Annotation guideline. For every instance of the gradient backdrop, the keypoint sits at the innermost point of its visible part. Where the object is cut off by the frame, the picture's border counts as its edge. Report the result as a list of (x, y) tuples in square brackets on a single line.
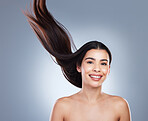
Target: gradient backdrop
[(30, 82)]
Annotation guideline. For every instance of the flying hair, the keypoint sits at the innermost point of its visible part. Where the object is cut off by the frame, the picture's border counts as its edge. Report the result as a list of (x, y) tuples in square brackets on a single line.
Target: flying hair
[(57, 40)]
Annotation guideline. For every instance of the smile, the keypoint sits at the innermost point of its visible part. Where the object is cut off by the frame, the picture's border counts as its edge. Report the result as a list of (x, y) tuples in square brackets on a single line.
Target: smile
[(96, 77)]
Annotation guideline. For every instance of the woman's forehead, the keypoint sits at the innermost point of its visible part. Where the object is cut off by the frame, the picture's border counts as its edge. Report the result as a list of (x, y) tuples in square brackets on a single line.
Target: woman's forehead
[(97, 54)]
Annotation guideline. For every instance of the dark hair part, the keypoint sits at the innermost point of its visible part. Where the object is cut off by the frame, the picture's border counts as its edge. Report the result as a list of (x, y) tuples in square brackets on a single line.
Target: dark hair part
[(58, 42)]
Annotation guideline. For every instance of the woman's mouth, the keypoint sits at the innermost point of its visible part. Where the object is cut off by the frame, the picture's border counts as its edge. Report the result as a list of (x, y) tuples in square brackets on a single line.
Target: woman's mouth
[(95, 77)]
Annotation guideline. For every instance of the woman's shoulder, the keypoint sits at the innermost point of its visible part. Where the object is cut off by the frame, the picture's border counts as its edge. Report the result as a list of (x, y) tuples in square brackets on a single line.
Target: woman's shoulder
[(65, 101), (120, 107), (118, 102), (116, 99), (61, 106)]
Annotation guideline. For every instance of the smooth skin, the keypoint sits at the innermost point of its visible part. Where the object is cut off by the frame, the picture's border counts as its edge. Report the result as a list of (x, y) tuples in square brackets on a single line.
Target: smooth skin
[(90, 103)]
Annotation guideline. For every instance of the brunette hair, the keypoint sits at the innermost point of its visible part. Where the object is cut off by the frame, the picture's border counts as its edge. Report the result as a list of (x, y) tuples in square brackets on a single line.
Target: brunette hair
[(58, 42)]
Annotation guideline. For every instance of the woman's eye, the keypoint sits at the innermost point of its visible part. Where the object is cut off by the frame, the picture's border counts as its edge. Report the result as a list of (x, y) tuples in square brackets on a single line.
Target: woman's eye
[(89, 62), (103, 64)]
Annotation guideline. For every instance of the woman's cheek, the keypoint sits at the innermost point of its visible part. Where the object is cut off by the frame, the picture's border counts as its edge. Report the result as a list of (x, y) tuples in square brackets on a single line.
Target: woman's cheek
[(86, 67), (89, 68), (105, 71)]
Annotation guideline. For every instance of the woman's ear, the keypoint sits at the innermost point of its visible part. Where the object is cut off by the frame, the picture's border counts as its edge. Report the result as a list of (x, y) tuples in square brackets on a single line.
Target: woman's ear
[(109, 70), (78, 68)]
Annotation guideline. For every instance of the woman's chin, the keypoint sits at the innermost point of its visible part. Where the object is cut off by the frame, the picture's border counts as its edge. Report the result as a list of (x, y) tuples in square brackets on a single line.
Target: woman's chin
[(95, 85)]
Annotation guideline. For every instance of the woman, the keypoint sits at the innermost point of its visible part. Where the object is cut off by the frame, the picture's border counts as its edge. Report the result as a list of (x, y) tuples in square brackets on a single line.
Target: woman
[(86, 68)]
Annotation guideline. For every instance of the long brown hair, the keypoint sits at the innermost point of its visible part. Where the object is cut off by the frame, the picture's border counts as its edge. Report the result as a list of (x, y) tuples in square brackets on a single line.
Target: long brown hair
[(58, 42)]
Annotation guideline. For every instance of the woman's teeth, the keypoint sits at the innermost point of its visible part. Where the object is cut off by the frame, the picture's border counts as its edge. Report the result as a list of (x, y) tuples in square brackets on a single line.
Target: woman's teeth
[(95, 76)]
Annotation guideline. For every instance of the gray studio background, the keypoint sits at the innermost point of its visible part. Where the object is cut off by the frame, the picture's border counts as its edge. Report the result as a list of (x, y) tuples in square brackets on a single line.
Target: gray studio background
[(30, 82)]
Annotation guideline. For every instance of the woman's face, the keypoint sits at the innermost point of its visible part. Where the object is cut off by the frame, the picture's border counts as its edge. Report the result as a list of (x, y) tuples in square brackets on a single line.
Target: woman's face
[(95, 67)]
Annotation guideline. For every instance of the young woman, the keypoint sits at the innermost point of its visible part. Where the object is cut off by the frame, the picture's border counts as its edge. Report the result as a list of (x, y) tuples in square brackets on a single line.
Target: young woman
[(86, 68)]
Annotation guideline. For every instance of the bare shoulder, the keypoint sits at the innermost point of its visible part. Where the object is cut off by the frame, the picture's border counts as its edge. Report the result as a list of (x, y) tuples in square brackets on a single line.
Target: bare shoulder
[(118, 102), (60, 109), (63, 102), (122, 107)]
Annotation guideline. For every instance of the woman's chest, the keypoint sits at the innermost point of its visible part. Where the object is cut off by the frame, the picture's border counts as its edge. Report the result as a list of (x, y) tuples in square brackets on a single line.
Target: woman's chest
[(100, 112)]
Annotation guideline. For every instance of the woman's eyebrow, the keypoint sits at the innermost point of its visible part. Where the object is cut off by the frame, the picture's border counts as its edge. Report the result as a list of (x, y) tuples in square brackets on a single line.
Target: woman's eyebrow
[(95, 59), (104, 60), (90, 58)]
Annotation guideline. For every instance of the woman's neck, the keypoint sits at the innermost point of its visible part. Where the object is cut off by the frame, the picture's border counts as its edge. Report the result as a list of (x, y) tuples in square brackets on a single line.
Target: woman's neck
[(91, 95)]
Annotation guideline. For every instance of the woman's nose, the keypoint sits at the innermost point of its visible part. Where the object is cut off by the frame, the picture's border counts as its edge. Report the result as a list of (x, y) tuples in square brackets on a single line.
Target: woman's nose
[(97, 68)]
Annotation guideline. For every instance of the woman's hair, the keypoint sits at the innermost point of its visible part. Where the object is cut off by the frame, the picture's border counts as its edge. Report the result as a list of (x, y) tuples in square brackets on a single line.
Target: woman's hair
[(58, 42)]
